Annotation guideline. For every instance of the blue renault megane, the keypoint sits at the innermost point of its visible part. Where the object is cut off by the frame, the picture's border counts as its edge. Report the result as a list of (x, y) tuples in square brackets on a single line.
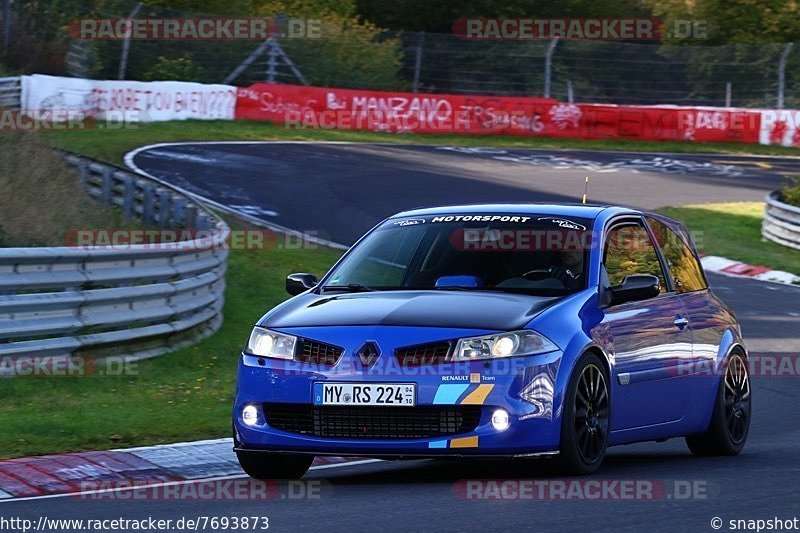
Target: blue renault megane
[(496, 331)]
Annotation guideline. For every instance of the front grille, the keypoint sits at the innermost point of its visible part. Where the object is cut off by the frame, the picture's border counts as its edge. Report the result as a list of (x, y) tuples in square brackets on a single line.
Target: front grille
[(318, 353), (423, 354), (346, 422)]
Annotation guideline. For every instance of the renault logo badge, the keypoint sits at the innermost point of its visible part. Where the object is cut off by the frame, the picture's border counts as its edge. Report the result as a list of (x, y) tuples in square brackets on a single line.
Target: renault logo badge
[(368, 353)]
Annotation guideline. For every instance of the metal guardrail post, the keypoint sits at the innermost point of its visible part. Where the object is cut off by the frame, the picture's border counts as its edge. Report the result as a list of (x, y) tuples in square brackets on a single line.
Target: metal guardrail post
[(83, 171), (147, 203), (418, 61), (272, 62), (190, 217), (164, 206), (178, 207), (128, 197), (108, 185), (782, 73), (548, 66), (126, 43)]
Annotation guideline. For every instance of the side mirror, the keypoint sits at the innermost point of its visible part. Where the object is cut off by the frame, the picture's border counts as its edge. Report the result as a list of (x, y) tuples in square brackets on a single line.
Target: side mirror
[(300, 283), (634, 288)]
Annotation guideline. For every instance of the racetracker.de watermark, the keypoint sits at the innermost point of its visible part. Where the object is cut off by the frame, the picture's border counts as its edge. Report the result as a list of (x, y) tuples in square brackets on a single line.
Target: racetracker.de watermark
[(67, 120), (65, 366), (598, 29), (405, 367), (239, 489), (189, 239), (194, 29), (404, 114), (758, 365), (584, 489), (559, 239)]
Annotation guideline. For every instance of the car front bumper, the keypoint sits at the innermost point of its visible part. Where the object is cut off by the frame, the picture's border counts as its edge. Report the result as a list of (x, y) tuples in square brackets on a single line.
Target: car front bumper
[(525, 387)]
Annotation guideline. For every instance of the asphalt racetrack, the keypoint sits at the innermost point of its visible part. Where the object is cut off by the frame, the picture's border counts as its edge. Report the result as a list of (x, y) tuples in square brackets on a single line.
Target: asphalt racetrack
[(339, 191)]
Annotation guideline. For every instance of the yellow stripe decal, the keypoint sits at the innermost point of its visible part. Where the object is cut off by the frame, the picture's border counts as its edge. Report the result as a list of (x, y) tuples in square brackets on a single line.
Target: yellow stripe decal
[(465, 442), (478, 396)]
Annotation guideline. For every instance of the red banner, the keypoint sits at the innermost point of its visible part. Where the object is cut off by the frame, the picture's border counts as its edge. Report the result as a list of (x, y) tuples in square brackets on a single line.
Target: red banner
[(303, 107), (780, 126), (316, 107), (669, 123)]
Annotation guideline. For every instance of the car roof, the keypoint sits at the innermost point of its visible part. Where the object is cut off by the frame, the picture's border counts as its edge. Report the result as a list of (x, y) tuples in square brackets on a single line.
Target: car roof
[(589, 211)]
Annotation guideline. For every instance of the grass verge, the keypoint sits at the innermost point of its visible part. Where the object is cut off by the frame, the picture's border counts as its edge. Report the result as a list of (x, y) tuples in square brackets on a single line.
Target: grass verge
[(33, 184), (733, 230), (111, 145)]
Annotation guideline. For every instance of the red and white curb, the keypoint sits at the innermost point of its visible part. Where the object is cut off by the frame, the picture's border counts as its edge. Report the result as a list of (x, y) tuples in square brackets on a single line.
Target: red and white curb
[(70, 473), (728, 267)]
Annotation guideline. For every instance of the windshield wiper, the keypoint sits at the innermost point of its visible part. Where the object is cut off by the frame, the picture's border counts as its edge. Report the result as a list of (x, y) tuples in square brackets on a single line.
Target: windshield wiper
[(350, 287)]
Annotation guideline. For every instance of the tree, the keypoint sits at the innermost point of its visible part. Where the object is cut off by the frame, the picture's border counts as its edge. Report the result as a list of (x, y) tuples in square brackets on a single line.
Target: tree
[(438, 16)]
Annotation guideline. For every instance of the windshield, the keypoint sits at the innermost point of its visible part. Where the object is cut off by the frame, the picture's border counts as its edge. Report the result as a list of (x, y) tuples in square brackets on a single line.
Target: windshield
[(536, 254)]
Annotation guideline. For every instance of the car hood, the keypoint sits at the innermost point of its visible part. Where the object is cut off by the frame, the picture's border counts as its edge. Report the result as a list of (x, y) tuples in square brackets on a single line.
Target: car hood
[(445, 309)]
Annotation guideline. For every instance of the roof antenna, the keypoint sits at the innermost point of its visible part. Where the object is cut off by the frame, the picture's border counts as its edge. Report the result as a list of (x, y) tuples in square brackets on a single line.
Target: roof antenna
[(585, 189)]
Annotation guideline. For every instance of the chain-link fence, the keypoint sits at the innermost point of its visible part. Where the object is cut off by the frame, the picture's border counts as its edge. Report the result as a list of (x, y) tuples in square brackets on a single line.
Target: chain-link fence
[(354, 56)]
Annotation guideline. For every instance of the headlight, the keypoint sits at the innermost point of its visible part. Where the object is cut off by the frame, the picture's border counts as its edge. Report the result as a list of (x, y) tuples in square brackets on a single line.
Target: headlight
[(268, 343), (502, 345)]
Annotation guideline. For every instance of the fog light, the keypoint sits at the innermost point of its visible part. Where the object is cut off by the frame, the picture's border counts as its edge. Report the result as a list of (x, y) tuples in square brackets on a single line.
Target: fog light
[(250, 415), (500, 420)]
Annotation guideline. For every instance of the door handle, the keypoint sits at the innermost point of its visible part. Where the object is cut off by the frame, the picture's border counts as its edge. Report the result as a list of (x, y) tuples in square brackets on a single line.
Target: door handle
[(681, 322)]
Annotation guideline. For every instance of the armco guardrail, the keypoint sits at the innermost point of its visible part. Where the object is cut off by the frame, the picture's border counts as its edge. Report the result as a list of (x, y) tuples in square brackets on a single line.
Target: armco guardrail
[(10, 93), (781, 222), (137, 301)]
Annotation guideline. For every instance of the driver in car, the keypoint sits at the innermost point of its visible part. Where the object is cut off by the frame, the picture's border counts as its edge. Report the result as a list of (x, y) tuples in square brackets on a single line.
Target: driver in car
[(564, 267), (570, 271)]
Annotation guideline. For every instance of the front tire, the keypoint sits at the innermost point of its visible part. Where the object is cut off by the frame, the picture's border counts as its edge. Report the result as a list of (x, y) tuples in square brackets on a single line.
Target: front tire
[(585, 420), (259, 465), (730, 420)]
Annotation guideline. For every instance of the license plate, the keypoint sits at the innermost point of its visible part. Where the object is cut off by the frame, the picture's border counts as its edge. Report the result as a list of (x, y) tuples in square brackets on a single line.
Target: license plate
[(382, 394)]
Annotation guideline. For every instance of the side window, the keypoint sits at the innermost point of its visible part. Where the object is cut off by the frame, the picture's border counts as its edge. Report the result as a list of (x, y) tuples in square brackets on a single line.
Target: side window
[(629, 250), (683, 265)]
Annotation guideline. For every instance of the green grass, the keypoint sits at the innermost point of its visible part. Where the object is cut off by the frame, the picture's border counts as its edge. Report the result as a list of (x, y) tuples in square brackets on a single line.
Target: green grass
[(185, 395), (111, 145), (733, 230), (790, 193), (33, 184)]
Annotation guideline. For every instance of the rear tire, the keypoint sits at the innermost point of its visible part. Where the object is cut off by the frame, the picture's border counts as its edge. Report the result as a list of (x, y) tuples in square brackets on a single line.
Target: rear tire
[(730, 420), (586, 418), (260, 465)]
